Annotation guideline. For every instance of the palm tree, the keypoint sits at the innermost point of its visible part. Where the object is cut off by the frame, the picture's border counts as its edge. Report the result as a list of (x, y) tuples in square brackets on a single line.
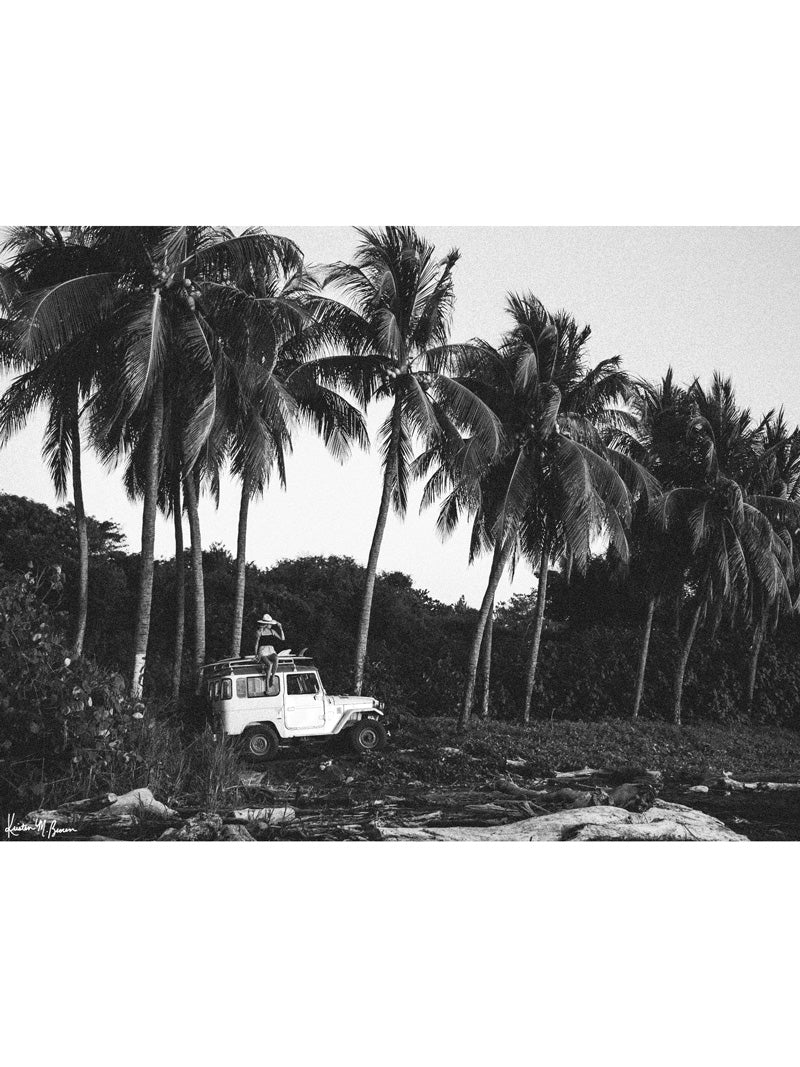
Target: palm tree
[(164, 297), (178, 485), (486, 663), (60, 378), (397, 340), (557, 480), (191, 495), (263, 398), (180, 587), (662, 411), (731, 538), (769, 472)]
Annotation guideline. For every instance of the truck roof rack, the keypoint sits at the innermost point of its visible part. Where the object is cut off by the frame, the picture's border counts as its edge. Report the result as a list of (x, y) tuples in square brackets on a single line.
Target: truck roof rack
[(249, 664)]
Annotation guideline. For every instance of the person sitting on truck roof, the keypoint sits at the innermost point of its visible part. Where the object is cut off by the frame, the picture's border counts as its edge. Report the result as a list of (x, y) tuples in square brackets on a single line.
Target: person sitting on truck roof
[(269, 637)]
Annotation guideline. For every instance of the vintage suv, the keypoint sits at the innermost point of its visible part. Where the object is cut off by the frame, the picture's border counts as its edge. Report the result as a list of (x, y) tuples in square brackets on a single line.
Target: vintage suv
[(295, 706)]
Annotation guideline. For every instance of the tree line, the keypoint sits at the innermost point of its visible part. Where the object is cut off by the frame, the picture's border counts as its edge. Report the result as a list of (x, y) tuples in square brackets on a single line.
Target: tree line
[(184, 352)]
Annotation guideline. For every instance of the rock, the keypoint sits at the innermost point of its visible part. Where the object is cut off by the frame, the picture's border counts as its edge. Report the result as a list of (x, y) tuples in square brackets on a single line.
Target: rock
[(580, 798), (252, 778), (203, 827), (633, 796), (333, 773), (698, 789), (234, 832)]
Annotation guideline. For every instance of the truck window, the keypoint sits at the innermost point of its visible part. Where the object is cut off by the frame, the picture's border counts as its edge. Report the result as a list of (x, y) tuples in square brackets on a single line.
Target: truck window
[(227, 689), (301, 684), (257, 686), (241, 687)]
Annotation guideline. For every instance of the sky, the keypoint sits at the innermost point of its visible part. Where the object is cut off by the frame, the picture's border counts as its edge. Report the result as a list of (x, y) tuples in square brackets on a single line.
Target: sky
[(699, 299)]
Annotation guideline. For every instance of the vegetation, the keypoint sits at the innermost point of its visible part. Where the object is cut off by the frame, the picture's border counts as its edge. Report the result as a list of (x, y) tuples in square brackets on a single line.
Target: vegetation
[(662, 519)]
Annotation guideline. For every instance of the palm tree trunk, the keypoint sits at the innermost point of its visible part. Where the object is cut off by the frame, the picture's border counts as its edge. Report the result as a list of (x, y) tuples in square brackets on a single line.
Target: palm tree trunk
[(199, 635), (180, 590), (389, 478), (501, 553), (752, 668), (541, 599), (241, 568), (683, 658), (486, 663), (648, 626), (145, 593), (83, 538)]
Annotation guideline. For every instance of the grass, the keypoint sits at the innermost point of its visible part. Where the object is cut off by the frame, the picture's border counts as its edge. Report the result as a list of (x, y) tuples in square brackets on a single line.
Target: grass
[(196, 772), (681, 753), (183, 771)]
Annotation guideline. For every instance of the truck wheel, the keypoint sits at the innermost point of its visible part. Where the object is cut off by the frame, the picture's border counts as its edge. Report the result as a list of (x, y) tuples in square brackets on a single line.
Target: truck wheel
[(260, 744), (367, 736)]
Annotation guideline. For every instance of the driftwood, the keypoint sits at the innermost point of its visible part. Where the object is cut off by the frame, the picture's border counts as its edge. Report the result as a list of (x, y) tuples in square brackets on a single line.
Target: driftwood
[(271, 816), (122, 811), (726, 782), (505, 785), (587, 772), (97, 816), (661, 822)]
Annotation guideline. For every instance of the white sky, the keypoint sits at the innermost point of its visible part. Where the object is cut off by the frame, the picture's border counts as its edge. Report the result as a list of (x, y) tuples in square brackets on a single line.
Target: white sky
[(699, 298)]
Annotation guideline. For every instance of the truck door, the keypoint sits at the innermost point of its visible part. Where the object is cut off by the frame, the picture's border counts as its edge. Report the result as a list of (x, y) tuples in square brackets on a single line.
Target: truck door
[(305, 702)]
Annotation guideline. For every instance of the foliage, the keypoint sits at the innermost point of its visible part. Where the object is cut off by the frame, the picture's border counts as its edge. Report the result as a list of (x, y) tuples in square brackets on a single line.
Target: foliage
[(59, 717), (418, 648)]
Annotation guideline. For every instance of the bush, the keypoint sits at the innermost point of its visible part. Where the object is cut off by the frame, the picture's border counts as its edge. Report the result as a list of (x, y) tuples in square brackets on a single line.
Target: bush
[(60, 719), (417, 646)]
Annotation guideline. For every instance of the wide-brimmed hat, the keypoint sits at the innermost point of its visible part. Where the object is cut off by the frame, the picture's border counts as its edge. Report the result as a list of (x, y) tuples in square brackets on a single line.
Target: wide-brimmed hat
[(265, 620)]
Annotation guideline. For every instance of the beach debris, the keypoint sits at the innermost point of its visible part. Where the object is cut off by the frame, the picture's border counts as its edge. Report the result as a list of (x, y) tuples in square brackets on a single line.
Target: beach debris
[(269, 816), (662, 822)]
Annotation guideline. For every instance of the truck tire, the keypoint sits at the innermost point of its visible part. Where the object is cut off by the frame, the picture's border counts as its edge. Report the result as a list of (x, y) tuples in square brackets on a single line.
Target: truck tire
[(367, 736), (260, 744)]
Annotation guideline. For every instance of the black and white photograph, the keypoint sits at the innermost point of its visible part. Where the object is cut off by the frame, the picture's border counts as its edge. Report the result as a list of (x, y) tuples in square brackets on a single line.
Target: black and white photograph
[(349, 534), (400, 532)]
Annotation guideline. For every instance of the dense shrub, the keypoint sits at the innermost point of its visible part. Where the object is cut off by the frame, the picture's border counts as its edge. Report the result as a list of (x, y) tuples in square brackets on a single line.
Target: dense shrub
[(417, 645), (59, 718)]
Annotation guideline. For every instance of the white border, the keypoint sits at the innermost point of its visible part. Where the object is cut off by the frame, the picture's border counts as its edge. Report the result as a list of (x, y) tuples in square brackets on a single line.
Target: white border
[(442, 112)]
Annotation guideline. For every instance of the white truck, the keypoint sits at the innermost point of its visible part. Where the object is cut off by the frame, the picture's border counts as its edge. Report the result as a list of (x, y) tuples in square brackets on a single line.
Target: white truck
[(294, 706)]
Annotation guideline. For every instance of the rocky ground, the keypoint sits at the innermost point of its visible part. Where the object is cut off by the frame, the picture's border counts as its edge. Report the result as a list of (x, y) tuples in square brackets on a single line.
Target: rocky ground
[(494, 781)]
